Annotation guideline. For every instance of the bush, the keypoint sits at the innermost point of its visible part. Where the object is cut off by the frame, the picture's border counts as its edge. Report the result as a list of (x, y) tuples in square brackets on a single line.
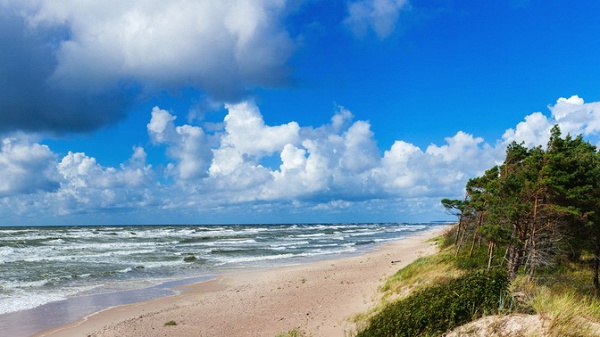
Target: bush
[(435, 310), (477, 260), (296, 332)]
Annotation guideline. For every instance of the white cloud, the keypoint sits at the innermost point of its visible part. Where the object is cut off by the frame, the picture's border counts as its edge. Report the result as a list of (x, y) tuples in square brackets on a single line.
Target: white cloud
[(220, 47), (26, 167), (87, 186), (252, 167), (533, 131), (245, 130), (360, 150), (161, 128), (186, 143), (408, 171), (577, 117), (379, 15), (89, 62), (572, 115)]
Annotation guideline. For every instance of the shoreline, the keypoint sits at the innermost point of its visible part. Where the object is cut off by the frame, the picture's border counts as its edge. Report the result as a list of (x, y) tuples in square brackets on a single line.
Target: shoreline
[(317, 297), (55, 314)]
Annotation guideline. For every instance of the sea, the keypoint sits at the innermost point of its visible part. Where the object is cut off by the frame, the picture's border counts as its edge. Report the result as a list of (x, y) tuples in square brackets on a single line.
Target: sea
[(54, 275)]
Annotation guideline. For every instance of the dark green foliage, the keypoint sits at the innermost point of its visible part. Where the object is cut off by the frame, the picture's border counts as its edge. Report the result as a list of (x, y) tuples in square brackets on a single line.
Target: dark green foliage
[(539, 208), (454, 207), (437, 309), (473, 261), (448, 238)]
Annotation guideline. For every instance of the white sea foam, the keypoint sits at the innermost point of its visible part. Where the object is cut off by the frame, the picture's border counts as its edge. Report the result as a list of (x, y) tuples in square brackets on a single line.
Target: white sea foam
[(40, 265)]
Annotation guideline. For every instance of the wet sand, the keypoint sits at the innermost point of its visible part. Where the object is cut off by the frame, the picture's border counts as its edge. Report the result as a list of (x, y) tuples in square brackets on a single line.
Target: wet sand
[(319, 298)]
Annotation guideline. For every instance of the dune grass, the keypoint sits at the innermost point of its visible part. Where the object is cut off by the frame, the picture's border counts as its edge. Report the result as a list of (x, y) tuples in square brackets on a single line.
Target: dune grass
[(564, 299), (440, 307), (296, 332), (421, 273), (560, 296)]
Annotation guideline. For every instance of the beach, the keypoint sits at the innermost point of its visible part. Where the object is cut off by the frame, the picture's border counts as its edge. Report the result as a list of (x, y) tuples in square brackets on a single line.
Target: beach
[(320, 298)]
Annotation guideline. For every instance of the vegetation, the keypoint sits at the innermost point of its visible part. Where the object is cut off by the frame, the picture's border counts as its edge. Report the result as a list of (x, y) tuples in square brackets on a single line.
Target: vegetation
[(296, 332), (527, 241), (539, 209), (441, 307), (418, 298), (171, 323)]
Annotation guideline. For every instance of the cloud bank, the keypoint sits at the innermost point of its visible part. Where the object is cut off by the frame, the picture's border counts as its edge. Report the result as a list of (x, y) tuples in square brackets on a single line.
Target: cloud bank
[(78, 65), (251, 167), (88, 61)]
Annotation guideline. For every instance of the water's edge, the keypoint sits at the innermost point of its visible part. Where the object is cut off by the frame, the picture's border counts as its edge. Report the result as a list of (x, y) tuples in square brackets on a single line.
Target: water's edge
[(54, 314), (28, 322)]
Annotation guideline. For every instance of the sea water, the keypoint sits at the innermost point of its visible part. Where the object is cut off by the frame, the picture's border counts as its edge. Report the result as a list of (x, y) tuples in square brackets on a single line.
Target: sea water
[(41, 265)]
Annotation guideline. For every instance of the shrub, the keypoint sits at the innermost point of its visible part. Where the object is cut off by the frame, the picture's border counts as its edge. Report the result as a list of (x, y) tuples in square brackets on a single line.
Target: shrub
[(439, 308), (296, 332), (478, 259)]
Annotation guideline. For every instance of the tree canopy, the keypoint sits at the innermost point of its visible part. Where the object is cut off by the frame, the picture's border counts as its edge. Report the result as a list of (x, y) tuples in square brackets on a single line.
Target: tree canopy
[(542, 206)]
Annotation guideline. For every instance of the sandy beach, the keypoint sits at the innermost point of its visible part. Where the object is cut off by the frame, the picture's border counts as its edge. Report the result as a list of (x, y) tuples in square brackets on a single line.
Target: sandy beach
[(319, 298)]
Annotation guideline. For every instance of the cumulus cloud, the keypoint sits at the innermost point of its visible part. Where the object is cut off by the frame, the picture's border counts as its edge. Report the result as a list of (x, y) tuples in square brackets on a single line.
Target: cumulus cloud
[(217, 46), (337, 161), (78, 65), (28, 102), (26, 167), (251, 167), (187, 144), (572, 115), (88, 61), (88, 186), (380, 16), (409, 171)]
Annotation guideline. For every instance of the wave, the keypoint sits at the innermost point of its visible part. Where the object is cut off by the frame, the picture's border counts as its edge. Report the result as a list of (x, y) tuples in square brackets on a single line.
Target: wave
[(56, 262)]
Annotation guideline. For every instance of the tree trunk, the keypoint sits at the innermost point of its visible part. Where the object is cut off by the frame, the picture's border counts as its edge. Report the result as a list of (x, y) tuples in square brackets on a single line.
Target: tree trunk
[(479, 223), (534, 253), (457, 235), (490, 254), (515, 251), (596, 268), (516, 255), (460, 242), (505, 257), (516, 263), (473, 244)]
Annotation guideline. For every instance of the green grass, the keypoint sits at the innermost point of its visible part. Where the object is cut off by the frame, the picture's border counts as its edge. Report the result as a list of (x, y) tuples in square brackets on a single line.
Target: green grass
[(296, 332), (560, 294), (440, 307), (421, 273), (564, 299), (569, 313)]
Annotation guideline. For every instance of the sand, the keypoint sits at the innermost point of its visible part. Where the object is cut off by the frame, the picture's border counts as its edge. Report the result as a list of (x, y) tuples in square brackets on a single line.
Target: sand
[(319, 298)]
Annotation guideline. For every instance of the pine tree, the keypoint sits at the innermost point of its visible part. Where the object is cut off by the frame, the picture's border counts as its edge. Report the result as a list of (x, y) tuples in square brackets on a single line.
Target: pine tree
[(544, 205)]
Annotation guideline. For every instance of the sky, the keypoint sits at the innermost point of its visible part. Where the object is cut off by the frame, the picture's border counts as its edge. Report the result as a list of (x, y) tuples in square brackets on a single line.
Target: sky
[(278, 111)]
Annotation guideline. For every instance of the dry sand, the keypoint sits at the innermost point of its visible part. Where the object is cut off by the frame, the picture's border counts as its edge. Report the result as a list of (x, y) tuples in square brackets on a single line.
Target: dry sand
[(319, 298)]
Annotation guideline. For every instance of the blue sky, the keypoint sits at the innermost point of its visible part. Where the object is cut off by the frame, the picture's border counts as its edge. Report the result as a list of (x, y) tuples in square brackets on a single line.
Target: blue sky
[(278, 111)]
